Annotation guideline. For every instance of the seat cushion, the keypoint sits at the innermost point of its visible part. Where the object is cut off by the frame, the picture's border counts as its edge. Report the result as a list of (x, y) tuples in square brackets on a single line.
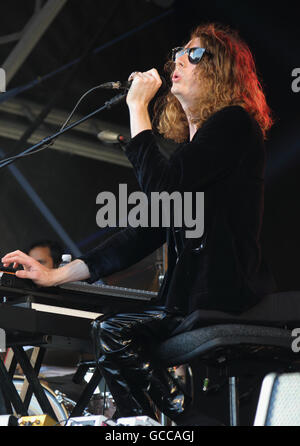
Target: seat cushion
[(274, 310), (186, 346)]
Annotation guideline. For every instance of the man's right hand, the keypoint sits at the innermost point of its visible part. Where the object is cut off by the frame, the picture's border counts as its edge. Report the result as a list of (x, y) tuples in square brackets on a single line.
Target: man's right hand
[(33, 270), (43, 276)]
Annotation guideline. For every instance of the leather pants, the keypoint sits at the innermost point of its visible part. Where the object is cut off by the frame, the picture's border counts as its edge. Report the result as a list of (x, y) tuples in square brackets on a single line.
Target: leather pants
[(124, 346)]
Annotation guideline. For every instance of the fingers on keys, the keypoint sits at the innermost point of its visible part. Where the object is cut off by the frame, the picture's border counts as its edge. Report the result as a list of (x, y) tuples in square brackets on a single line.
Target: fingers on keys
[(17, 258)]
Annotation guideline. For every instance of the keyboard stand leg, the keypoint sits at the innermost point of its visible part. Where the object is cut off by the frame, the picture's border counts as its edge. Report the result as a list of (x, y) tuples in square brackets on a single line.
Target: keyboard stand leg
[(36, 360), (34, 383), (10, 392), (5, 405), (86, 394), (5, 408), (10, 362), (12, 367)]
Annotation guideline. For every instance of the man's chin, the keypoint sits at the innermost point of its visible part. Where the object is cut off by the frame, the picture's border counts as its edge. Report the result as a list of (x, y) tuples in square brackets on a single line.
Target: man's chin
[(175, 90)]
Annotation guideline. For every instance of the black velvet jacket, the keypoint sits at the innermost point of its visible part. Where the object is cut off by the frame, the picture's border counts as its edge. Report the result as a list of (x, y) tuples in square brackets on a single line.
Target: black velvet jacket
[(223, 269)]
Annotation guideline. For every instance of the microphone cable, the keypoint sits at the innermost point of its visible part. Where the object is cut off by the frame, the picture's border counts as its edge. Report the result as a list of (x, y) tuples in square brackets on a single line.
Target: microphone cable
[(4, 162), (9, 160)]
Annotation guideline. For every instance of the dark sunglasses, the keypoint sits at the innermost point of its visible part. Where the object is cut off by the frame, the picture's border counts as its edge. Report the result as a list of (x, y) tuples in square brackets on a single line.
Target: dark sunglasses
[(194, 54)]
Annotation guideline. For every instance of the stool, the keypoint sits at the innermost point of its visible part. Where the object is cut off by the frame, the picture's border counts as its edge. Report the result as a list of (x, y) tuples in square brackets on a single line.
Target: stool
[(258, 340), (226, 347)]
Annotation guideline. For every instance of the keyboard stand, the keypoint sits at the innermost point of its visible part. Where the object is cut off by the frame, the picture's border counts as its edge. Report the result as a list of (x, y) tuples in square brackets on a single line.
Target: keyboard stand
[(36, 360), (11, 395), (9, 392), (86, 394)]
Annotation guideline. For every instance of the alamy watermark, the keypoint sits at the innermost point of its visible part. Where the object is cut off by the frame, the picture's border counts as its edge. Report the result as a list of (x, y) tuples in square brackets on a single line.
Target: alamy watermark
[(161, 209), (296, 341), (296, 81), (2, 340), (2, 80)]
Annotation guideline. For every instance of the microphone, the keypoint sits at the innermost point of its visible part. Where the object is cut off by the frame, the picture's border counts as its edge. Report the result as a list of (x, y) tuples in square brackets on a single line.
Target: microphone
[(124, 85)]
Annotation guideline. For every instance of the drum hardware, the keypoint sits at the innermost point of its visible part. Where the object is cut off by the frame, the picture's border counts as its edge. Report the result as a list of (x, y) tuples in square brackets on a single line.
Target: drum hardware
[(67, 402), (102, 404)]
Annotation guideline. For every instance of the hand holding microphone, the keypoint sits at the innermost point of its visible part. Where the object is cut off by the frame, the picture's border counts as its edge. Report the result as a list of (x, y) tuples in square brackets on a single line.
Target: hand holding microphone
[(125, 85), (143, 88)]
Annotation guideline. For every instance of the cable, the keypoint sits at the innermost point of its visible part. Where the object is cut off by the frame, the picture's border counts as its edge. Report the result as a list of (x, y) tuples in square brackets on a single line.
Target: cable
[(77, 104), (4, 162)]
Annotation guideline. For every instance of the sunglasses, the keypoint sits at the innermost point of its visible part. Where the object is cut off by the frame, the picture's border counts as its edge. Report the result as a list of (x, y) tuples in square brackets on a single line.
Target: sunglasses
[(194, 54)]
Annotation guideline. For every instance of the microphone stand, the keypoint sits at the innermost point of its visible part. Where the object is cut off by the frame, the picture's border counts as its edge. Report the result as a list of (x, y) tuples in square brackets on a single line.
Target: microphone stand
[(50, 139)]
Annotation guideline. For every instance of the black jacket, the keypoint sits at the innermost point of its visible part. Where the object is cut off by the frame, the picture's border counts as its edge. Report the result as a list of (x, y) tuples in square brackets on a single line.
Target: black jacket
[(223, 269)]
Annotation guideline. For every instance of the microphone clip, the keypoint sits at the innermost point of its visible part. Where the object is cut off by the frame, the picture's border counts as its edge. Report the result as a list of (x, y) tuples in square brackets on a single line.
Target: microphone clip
[(118, 85), (115, 100)]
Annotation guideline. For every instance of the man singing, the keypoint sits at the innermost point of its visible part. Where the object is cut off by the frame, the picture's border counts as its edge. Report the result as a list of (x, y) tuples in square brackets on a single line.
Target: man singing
[(217, 111)]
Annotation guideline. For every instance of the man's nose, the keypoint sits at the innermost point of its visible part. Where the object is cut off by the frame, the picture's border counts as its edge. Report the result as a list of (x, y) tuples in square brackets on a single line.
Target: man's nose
[(181, 60)]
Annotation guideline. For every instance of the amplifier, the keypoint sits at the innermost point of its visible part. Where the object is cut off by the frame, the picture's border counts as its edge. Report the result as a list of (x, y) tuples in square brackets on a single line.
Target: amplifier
[(279, 400)]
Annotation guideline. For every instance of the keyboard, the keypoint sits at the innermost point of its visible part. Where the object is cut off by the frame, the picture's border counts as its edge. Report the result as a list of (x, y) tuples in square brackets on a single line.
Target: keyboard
[(76, 295)]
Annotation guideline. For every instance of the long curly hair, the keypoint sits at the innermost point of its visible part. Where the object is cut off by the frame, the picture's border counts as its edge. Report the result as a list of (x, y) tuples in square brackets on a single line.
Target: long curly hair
[(228, 76)]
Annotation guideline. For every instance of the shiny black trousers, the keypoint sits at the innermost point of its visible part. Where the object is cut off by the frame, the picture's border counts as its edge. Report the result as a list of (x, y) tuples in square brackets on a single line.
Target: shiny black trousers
[(125, 350)]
